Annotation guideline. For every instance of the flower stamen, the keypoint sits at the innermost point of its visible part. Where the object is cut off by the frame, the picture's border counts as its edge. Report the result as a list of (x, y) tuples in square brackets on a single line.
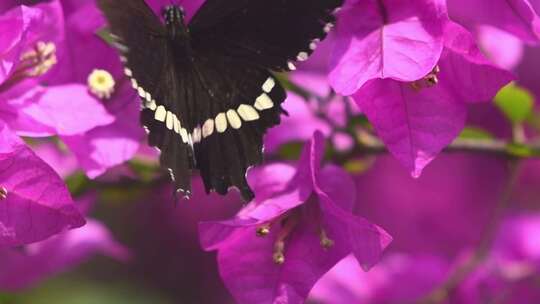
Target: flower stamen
[(33, 63), (101, 83), (288, 226), (3, 193), (279, 253), (326, 242), (430, 80), (263, 231)]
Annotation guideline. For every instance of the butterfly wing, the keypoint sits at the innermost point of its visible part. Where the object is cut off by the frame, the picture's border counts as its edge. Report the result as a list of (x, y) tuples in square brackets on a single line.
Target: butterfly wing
[(150, 63), (234, 104), (269, 33)]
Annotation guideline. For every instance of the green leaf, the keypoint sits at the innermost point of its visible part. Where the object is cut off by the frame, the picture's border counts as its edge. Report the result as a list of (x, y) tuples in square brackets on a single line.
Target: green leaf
[(475, 133), (515, 102)]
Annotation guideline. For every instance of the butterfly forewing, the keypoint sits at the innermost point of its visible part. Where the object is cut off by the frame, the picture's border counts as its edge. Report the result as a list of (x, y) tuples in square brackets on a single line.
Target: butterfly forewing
[(268, 33)]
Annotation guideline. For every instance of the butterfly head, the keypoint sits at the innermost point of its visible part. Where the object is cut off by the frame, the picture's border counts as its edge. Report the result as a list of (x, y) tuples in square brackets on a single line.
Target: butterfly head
[(173, 14)]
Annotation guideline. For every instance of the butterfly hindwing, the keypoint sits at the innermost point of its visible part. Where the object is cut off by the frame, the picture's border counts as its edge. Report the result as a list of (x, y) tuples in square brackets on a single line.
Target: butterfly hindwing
[(234, 111)]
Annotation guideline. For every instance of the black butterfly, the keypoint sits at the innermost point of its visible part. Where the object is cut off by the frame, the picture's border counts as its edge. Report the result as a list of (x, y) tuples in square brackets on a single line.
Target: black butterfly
[(208, 95)]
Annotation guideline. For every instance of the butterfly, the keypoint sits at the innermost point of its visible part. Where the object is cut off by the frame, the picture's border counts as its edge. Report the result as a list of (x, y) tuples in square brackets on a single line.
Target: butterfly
[(207, 90)]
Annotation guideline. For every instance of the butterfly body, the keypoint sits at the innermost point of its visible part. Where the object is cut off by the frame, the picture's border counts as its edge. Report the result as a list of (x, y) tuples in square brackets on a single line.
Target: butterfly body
[(207, 91)]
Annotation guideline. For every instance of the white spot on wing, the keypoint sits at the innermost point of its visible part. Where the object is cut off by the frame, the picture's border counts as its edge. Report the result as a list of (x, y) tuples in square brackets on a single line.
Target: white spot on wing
[(208, 128), (302, 56), (134, 84), (197, 134), (170, 120), (247, 112), (269, 85), (291, 66), (128, 72), (263, 102), (161, 113), (234, 119), (328, 27), (150, 105), (184, 134), (313, 44), (221, 123), (141, 92), (177, 126)]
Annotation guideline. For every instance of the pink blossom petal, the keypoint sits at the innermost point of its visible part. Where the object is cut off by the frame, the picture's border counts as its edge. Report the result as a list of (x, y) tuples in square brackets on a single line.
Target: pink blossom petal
[(395, 39), (19, 97), (83, 21), (266, 181), (414, 125), (314, 82), (63, 162), (503, 48), (68, 110), (60, 253), (519, 239), (111, 145), (465, 70), (337, 194), (298, 126), (38, 203), (9, 142), (398, 278), (247, 268), (514, 16)]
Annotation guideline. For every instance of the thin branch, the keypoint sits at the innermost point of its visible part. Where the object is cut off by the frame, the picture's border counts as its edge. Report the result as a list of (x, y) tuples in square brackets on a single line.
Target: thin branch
[(368, 144)]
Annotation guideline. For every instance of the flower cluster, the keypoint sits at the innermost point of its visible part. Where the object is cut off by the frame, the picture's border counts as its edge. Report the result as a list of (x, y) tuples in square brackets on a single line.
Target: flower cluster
[(413, 78)]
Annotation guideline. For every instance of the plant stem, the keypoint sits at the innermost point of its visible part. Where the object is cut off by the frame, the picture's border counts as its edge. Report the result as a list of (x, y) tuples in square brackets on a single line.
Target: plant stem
[(368, 144)]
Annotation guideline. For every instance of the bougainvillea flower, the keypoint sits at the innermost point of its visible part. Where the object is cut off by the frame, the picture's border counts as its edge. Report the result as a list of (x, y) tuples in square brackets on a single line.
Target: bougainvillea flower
[(394, 39), (99, 87), (517, 17), (34, 201), (298, 227), (417, 120), (398, 278), (80, 101), (26, 266)]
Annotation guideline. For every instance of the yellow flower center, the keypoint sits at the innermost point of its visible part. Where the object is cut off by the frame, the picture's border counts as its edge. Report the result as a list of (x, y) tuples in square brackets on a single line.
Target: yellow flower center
[(101, 83)]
